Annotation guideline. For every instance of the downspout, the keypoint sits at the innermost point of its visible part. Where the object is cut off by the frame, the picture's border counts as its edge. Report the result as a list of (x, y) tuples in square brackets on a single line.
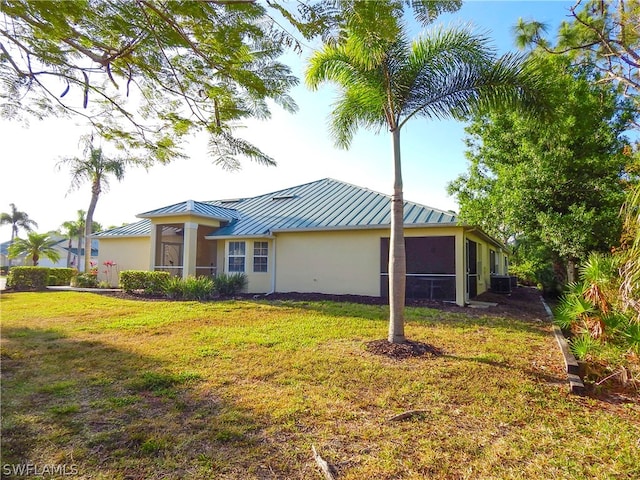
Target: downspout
[(273, 269)]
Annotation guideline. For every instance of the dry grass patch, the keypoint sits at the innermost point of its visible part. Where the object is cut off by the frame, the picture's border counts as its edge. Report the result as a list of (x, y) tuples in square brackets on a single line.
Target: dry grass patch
[(241, 390)]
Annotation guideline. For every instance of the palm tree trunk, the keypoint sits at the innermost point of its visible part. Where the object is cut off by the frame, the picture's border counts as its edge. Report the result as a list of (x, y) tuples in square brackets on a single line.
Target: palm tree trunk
[(69, 245), (79, 253), (397, 255), (14, 232), (88, 226)]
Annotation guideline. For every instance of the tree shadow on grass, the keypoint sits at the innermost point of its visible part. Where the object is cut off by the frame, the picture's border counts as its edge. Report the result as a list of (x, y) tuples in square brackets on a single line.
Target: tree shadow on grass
[(112, 413)]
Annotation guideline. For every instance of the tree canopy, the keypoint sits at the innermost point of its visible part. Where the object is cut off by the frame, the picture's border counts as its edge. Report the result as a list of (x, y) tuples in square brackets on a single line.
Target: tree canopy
[(601, 34), (145, 74), (561, 182), (36, 245)]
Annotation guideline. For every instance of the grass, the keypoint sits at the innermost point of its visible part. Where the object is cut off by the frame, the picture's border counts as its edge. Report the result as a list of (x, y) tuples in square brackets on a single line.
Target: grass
[(241, 390)]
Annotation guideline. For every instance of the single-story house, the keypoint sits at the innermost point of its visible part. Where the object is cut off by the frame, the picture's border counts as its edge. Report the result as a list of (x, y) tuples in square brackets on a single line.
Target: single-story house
[(325, 236), (61, 246)]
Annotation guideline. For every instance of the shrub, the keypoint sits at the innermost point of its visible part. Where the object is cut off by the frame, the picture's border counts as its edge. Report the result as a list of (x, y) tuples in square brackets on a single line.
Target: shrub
[(583, 345), (151, 283), (197, 288), (174, 288), (4, 270), (61, 276), (85, 280), (28, 278), (227, 285)]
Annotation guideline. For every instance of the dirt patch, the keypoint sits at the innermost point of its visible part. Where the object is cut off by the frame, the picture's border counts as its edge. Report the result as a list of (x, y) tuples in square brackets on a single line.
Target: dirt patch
[(399, 351)]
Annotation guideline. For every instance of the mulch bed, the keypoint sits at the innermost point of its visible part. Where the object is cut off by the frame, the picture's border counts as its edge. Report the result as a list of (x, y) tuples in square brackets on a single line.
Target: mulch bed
[(399, 351), (522, 303)]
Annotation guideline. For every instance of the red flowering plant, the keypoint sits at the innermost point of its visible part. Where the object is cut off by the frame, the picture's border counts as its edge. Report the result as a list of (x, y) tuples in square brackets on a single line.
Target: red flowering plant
[(110, 270)]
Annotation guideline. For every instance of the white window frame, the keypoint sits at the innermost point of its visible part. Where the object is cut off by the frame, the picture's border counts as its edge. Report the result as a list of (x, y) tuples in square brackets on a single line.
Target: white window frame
[(264, 247), (232, 254)]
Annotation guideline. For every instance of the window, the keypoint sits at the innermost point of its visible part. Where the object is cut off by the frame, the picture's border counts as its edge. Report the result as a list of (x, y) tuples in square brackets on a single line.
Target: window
[(236, 257), (260, 256)]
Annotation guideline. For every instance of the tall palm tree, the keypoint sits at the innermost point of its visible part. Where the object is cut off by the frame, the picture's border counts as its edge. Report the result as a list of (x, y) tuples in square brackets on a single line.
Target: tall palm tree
[(386, 81), (95, 169), (74, 229), (36, 245), (17, 220)]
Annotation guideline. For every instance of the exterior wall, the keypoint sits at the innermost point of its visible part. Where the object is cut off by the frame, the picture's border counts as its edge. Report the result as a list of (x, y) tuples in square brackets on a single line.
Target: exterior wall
[(337, 262), (128, 254), (484, 263), (257, 282)]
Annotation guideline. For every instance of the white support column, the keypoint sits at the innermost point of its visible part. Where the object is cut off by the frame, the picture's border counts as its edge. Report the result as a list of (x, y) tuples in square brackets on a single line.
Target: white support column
[(190, 249), (153, 238)]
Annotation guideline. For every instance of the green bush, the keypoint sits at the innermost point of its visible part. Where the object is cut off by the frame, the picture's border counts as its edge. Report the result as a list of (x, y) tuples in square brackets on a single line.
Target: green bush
[(197, 288), (191, 288), (28, 278), (228, 285), (151, 283), (174, 288), (61, 276), (85, 280)]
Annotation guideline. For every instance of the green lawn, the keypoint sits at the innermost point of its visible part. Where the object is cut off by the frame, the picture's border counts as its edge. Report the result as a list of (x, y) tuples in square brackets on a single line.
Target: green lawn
[(242, 390)]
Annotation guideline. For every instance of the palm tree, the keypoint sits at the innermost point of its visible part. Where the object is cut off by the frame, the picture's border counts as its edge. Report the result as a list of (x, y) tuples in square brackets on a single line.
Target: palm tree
[(35, 246), (385, 82), (95, 169), (17, 220), (74, 229)]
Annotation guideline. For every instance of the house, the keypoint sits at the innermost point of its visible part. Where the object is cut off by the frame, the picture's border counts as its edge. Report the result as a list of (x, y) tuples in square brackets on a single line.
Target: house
[(325, 236), (61, 246)]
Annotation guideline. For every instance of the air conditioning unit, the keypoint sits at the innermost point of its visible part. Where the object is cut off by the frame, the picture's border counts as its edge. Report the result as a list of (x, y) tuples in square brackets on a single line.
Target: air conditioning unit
[(501, 284)]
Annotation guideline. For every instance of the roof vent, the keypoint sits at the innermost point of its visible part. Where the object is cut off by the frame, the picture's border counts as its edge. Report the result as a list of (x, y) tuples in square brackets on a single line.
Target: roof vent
[(232, 200), (282, 197)]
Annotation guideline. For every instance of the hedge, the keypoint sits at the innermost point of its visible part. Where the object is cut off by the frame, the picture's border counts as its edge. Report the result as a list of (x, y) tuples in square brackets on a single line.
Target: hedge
[(61, 276), (28, 278), (152, 283)]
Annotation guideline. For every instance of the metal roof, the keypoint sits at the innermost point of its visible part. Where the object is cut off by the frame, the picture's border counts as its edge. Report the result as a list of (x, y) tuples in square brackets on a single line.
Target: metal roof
[(191, 207), (325, 204), (137, 229)]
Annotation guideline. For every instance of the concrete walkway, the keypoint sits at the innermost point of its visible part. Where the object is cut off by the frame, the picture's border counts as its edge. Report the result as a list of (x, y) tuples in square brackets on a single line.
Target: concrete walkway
[(78, 289)]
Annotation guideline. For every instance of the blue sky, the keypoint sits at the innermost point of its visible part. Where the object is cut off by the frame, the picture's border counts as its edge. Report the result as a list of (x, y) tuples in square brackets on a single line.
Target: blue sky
[(432, 151)]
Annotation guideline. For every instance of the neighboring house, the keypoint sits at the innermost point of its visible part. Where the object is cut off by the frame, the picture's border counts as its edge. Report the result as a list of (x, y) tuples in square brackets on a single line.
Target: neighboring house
[(323, 237), (62, 248)]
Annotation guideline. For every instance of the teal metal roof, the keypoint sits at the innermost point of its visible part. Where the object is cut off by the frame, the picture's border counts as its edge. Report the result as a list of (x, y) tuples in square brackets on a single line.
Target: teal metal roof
[(191, 207), (325, 204), (137, 229)]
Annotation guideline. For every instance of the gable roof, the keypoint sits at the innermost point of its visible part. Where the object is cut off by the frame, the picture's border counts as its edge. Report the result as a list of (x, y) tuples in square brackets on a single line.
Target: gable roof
[(325, 204)]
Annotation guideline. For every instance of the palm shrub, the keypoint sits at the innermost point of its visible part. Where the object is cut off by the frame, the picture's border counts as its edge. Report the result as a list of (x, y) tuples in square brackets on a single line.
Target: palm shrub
[(197, 288), (227, 285), (173, 288), (574, 311), (583, 346)]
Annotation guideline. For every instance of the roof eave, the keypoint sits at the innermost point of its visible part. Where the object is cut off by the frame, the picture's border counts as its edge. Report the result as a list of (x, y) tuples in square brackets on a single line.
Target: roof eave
[(190, 214)]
